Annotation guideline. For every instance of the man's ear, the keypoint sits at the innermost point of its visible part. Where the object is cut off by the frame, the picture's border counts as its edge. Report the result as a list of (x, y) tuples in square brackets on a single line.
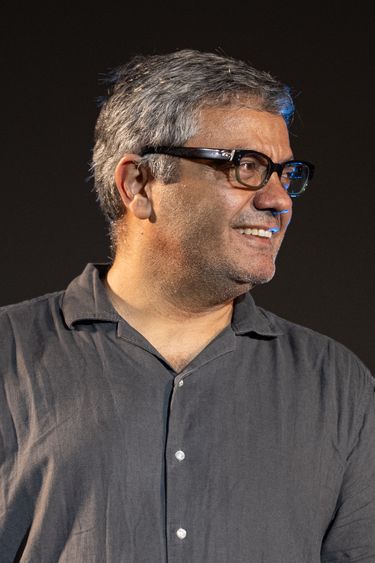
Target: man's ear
[(131, 180)]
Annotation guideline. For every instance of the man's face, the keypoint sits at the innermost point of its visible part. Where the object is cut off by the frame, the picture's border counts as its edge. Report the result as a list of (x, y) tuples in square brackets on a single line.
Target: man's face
[(196, 238)]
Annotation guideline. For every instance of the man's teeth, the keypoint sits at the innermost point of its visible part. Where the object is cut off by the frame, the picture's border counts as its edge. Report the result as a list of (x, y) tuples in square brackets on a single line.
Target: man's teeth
[(256, 232)]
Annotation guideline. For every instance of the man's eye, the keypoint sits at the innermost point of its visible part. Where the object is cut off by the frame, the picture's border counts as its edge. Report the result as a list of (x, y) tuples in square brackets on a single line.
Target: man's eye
[(250, 168), (249, 165)]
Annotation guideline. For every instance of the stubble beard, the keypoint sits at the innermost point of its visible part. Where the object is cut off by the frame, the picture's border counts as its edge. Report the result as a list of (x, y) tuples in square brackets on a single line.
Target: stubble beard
[(192, 270), (192, 280)]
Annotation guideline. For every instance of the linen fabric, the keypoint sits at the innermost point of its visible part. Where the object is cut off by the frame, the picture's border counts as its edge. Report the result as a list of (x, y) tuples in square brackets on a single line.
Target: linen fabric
[(262, 450)]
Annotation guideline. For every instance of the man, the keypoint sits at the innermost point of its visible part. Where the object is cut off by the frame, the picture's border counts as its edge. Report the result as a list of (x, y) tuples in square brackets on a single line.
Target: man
[(151, 412)]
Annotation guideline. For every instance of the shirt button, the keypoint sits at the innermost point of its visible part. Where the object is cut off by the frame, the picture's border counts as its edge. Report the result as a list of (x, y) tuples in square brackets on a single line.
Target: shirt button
[(180, 455), (181, 533), (180, 383)]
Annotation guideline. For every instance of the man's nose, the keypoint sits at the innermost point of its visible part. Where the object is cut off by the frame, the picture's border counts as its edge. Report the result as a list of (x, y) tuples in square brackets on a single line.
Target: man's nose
[(273, 196)]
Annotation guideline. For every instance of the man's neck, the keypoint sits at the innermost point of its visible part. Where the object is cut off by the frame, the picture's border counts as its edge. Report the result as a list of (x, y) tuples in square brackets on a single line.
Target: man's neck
[(178, 332), (142, 302)]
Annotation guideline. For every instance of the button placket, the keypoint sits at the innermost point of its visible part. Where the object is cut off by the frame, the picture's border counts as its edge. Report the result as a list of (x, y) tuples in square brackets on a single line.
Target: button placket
[(178, 497), (180, 455), (176, 466)]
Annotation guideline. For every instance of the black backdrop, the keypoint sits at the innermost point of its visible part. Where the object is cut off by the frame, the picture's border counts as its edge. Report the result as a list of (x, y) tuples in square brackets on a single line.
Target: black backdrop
[(52, 61)]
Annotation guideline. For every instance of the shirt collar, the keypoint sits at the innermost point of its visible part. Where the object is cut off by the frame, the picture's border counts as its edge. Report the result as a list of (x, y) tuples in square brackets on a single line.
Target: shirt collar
[(85, 299), (248, 318)]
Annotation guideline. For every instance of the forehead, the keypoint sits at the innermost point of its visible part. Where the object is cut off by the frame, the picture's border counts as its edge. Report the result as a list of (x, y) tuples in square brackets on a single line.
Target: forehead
[(242, 127)]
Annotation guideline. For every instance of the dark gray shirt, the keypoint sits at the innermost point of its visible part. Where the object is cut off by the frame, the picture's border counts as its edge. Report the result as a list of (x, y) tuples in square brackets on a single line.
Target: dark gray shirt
[(262, 450)]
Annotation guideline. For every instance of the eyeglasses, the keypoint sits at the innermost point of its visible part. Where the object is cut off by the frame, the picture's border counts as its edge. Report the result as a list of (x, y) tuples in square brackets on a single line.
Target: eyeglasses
[(252, 169)]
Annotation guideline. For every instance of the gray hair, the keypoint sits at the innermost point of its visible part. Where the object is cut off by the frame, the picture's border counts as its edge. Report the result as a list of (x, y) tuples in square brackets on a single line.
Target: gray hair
[(155, 100)]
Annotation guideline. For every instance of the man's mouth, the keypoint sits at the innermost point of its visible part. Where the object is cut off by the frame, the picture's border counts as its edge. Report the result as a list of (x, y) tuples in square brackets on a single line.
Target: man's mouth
[(263, 233)]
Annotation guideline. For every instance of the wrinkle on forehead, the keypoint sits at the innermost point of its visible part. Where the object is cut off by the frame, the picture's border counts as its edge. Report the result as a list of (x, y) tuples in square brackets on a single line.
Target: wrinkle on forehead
[(243, 127)]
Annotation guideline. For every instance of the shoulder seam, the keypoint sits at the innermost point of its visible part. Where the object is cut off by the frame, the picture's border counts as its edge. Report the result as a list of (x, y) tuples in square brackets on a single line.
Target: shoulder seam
[(12, 306)]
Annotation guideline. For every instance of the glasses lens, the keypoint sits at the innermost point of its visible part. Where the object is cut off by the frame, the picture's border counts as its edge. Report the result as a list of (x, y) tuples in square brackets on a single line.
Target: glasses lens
[(294, 177), (252, 170)]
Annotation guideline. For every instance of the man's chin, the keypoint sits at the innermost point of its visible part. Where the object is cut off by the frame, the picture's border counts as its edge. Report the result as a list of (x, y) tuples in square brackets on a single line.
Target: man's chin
[(240, 283), (255, 277)]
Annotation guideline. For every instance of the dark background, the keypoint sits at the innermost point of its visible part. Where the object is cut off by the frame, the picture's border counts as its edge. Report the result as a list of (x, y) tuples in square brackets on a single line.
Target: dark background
[(52, 62)]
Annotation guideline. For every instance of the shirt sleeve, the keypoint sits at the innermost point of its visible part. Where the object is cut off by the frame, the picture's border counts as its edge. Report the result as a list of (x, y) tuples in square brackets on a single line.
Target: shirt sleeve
[(351, 534), (14, 505)]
